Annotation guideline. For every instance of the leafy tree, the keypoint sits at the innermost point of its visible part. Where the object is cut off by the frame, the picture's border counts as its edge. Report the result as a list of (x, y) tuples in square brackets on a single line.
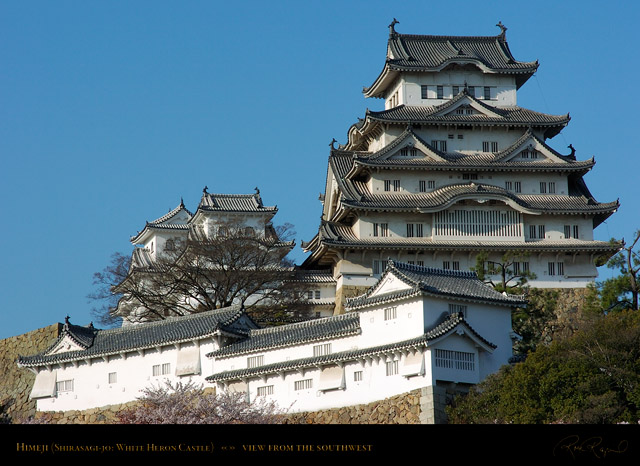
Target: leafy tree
[(532, 322), (591, 377), (187, 403), (200, 273), (512, 276)]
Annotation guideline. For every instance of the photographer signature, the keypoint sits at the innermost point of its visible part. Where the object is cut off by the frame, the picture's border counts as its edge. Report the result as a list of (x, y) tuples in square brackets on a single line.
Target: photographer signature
[(574, 446)]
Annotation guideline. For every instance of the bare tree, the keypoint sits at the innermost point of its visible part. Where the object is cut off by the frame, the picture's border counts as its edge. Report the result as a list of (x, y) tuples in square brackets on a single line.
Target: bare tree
[(239, 265), (104, 298), (510, 269), (627, 261)]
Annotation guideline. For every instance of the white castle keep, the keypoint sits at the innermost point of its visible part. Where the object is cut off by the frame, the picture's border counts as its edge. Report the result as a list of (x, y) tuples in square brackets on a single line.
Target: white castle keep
[(450, 169)]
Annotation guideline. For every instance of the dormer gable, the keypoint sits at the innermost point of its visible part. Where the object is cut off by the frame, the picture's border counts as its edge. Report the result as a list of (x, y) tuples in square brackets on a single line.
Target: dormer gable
[(408, 146), (390, 283), (72, 338), (464, 104), (530, 148)]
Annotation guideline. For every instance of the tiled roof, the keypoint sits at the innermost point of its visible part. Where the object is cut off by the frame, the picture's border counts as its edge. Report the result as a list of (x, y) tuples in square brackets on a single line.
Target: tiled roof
[(342, 236), (479, 161), (507, 116), (448, 283), (315, 276), (447, 326), (458, 161), (166, 222), (285, 335), (171, 214), (143, 336), (234, 203), (428, 53), (442, 198), (141, 258)]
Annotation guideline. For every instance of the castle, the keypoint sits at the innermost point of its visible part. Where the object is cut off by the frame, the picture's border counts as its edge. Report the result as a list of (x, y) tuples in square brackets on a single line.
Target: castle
[(451, 169)]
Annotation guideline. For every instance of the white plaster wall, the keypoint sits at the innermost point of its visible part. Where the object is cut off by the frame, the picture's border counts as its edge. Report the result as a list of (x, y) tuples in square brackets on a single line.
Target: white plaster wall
[(134, 373), (375, 385), (505, 86)]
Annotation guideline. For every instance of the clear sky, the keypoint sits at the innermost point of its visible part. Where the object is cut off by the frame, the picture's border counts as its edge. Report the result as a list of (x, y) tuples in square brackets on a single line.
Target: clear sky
[(111, 112)]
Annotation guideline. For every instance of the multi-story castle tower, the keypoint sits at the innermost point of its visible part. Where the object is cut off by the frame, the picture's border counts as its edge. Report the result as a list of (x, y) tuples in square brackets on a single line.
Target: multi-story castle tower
[(453, 168)]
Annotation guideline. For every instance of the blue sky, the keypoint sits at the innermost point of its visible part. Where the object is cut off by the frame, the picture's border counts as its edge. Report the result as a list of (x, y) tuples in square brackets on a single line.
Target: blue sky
[(111, 112)]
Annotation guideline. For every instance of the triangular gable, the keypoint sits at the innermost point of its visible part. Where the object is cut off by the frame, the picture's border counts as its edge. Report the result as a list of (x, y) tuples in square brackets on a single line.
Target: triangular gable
[(530, 149), (180, 218), (389, 283), (65, 345), (408, 146), (462, 329), (466, 102)]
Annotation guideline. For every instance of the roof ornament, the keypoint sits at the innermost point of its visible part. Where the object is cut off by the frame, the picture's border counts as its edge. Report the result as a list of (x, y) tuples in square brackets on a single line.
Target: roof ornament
[(66, 321), (573, 151), (392, 27), (257, 190), (332, 143), (204, 191), (503, 28)]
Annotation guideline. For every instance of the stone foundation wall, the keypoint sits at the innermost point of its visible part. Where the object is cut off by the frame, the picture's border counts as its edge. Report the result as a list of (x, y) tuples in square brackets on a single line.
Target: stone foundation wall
[(347, 291), (568, 313), (422, 406), (16, 382)]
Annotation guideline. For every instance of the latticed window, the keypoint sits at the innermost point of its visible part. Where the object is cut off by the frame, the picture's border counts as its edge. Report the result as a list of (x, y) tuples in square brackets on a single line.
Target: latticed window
[(457, 308), (64, 385), (380, 229), (390, 313), (490, 146), (541, 231), (322, 350), (305, 384), (255, 361), (266, 390), (161, 369), (357, 376), (409, 230), (478, 223), (440, 144), (458, 360), (391, 367)]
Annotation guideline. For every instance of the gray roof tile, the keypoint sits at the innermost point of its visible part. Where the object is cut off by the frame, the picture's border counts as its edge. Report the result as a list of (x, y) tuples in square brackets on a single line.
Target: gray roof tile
[(234, 203), (302, 332), (100, 343), (450, 324), (438, 282)]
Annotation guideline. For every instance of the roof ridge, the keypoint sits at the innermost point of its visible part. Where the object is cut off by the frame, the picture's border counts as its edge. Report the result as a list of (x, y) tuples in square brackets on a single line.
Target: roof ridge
[(303, 324), (158, 323), (432, 270)]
